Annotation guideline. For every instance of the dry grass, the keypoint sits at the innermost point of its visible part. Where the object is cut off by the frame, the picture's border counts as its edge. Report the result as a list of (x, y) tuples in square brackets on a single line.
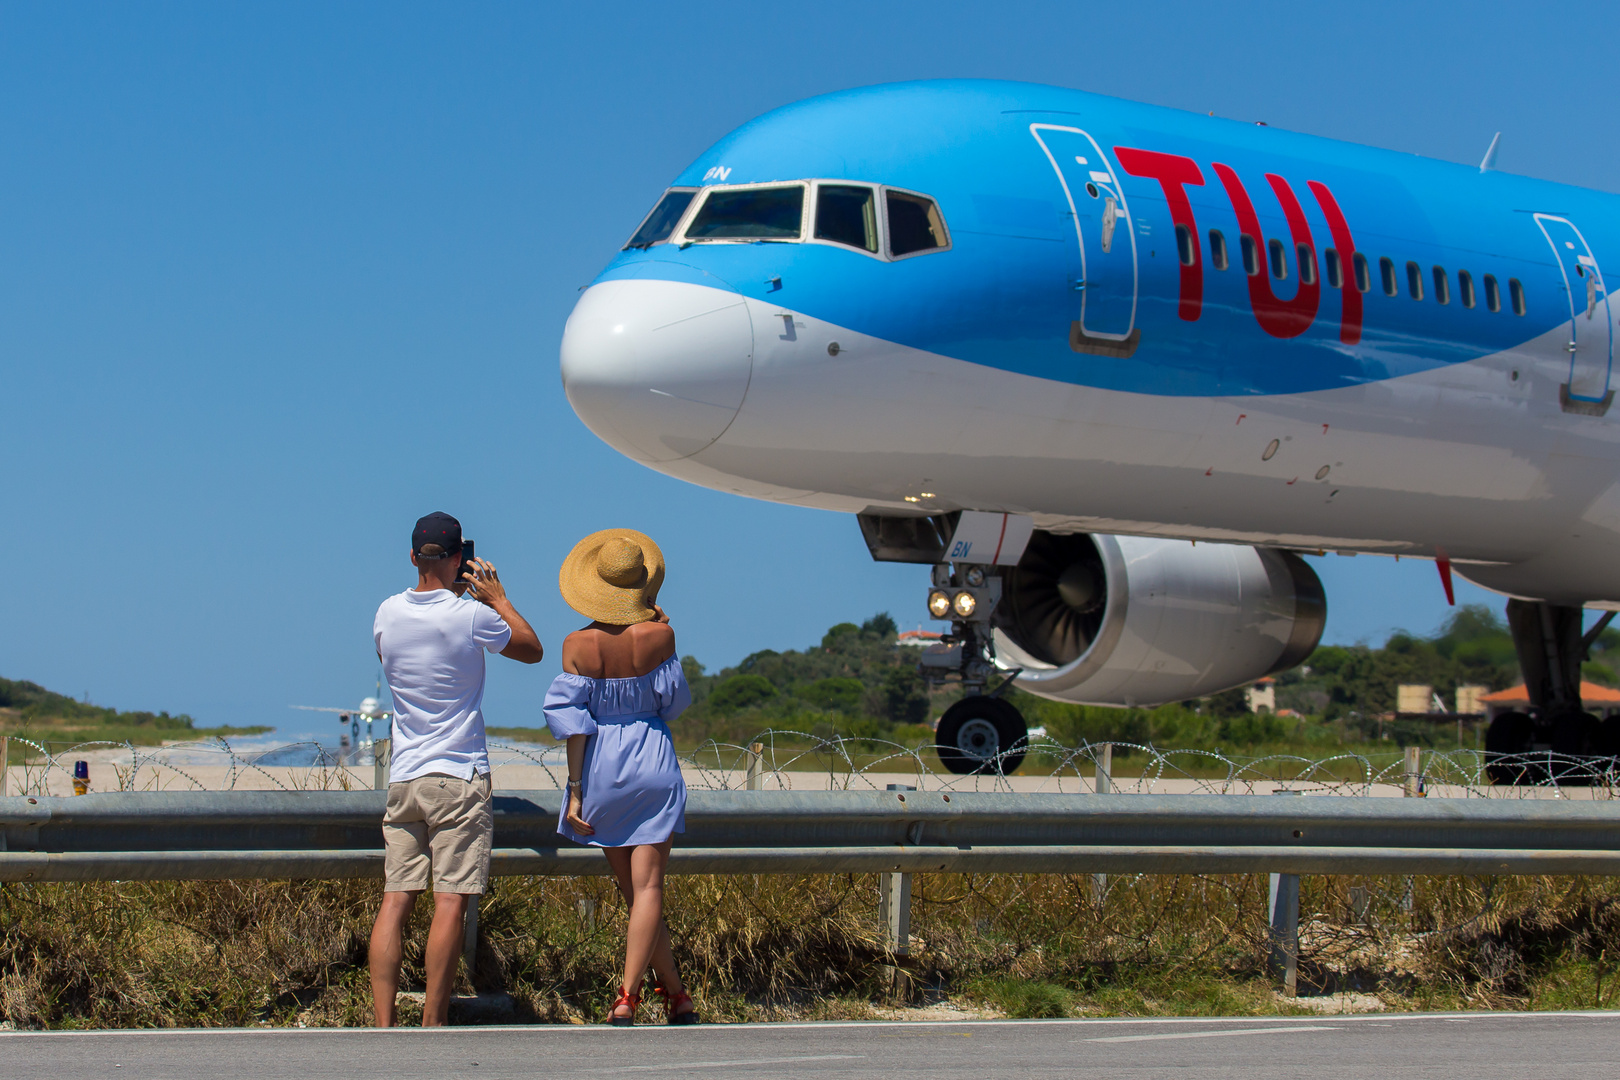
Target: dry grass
[(761, 948)]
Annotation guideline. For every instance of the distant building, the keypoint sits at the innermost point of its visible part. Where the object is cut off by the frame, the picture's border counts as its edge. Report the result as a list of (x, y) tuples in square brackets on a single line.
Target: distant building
[(1414, 698), (1470, 698), (918, 639), (1262, 696)]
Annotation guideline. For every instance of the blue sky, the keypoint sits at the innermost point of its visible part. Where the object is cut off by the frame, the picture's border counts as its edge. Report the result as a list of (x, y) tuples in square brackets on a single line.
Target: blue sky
[(277, 279)]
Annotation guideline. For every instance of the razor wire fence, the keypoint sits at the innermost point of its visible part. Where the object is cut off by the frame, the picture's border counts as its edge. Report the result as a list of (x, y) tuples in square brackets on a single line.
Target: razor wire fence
[(796, 760)]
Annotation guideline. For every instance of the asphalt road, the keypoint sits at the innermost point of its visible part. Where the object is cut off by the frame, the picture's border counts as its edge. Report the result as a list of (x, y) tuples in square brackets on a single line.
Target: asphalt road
[(1512, 1046)]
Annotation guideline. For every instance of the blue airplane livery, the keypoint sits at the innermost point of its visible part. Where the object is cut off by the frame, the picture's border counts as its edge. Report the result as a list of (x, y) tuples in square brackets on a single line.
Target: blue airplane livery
[(1109, 368)]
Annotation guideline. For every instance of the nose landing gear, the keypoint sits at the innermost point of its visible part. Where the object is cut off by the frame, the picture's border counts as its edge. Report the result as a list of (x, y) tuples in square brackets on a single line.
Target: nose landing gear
[(983, 732)]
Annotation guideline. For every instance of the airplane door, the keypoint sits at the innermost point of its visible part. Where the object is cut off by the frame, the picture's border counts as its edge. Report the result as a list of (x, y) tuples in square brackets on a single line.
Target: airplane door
[(1591, 323), (1104, 275)]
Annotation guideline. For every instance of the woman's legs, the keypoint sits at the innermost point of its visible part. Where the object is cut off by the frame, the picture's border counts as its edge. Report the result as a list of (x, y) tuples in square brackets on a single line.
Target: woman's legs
[(640, 874)]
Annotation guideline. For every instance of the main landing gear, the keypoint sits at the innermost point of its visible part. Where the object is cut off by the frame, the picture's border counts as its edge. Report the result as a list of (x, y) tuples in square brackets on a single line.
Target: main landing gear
[(1521, 747), (983, 732)]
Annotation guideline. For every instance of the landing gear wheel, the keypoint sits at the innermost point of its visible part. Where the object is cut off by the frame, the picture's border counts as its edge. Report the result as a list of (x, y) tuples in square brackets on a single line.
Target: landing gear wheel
[(982, 734), (1577, 735), (1509, 735), (1608, 745)]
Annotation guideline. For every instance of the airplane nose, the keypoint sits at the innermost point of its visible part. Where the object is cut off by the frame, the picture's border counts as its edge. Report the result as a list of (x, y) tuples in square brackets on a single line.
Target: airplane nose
[(657, 369)]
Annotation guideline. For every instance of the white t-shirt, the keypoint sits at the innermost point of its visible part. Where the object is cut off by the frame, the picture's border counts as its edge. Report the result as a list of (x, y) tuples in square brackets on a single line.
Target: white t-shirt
[(432, 646)]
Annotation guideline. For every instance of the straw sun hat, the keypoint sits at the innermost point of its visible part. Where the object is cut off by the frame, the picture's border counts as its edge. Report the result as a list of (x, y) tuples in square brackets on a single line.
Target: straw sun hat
[(613, 577)]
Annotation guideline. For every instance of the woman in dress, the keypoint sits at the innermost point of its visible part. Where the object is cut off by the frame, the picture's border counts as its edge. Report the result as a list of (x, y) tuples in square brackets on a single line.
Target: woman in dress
[(621, 685)]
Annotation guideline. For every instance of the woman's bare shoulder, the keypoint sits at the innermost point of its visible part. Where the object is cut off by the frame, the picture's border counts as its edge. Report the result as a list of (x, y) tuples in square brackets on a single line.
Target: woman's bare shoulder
[(654, 643), (582, 653)]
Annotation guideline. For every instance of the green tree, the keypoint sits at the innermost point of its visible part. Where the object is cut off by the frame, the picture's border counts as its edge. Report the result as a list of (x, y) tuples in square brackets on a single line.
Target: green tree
[(880, 626), (837, 694), (741, 692), (905, 696), (1227, 703)]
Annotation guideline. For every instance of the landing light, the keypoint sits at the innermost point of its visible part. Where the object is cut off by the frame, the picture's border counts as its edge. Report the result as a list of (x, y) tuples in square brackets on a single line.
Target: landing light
[(939, 604), (964, 604)]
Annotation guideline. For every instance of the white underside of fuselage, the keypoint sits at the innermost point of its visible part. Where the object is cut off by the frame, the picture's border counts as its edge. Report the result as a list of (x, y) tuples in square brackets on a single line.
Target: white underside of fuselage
[(1465, 461)]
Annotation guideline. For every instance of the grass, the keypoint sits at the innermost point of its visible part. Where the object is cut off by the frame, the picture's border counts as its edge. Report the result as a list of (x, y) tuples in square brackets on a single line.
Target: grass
[(155, 954), (1023, 999)]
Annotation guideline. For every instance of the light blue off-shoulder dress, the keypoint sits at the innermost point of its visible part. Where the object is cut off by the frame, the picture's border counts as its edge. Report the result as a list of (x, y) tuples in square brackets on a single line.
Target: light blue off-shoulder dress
[(631, 785)]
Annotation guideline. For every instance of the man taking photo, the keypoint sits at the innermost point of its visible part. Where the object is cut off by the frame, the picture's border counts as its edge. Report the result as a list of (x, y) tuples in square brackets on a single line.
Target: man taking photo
[(438, 826)]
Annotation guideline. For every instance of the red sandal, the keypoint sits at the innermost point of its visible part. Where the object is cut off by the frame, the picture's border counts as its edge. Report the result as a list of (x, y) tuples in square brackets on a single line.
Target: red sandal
[(625, 998), (690, 1016)]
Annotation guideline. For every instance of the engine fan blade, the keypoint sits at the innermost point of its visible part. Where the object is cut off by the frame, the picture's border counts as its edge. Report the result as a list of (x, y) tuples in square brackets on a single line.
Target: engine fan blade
[(1054, 598)]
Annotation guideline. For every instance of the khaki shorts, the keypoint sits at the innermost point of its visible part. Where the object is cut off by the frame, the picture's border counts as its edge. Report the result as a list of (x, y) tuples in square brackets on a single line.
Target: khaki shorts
[(438, 824)]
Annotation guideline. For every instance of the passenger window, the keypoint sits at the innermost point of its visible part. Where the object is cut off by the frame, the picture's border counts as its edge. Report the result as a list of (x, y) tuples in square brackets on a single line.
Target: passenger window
[(1279, 260), (1386, 271), (847, 214), (1307, 263), (1186, 245), (1516, 295), (914, 224), (773, 213), (1217, 249), (1363, 273), (661, 222), (1465, 288), (1442, 286), (1414, 280), (1251, 254), (1335, 272), (1493, 295)]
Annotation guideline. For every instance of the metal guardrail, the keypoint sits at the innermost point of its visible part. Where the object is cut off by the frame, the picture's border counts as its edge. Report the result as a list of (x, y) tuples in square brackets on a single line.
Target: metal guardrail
[(337, 834)]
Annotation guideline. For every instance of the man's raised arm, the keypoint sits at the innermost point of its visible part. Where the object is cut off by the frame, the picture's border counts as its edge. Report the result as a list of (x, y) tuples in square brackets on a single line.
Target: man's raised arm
[(485, 585)]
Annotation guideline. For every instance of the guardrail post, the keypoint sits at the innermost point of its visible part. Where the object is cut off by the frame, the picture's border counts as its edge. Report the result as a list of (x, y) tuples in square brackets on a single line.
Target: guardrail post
[(1285, 930), (894, 912), (1284, 909), (382, 751), (469, 938), (756, 766), (1411, 788), (5, 759), (894, 903), (1104, 784)]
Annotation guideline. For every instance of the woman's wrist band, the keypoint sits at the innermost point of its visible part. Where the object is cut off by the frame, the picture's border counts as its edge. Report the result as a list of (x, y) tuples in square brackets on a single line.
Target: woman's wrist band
[(573, 785)]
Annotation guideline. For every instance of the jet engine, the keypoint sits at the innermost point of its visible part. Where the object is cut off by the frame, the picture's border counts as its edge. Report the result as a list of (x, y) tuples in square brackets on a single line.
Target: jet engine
[(1126, 620)]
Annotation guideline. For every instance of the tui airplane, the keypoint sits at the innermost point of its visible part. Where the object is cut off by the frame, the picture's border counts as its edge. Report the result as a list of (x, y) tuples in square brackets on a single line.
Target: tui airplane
[(1110, 367)]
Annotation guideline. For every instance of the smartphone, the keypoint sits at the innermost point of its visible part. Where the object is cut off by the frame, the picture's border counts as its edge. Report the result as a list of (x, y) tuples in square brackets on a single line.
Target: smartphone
[(466, 557)]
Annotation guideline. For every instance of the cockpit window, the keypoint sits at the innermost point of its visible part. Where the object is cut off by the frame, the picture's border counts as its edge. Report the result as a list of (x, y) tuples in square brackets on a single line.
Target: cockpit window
[(661, 222), (770, 213), (914, 224), (847, 214)]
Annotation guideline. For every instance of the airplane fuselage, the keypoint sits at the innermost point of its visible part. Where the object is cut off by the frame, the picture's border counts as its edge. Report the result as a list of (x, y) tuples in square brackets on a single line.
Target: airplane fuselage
[(1125, 319)]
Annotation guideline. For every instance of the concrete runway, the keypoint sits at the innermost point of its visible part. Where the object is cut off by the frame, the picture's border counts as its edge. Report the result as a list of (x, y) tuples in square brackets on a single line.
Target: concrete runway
[(1478, 1046)]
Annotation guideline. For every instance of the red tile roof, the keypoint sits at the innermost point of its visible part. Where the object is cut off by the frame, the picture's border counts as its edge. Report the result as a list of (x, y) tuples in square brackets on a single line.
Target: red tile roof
[(1591, 693)]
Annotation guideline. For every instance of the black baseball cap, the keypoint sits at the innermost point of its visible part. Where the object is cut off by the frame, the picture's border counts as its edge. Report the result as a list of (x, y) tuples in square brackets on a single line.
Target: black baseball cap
[(436, 535)]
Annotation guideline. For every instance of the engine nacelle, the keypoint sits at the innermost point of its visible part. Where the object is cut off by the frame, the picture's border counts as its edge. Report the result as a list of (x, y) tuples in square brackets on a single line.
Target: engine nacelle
[(1127, 620)]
